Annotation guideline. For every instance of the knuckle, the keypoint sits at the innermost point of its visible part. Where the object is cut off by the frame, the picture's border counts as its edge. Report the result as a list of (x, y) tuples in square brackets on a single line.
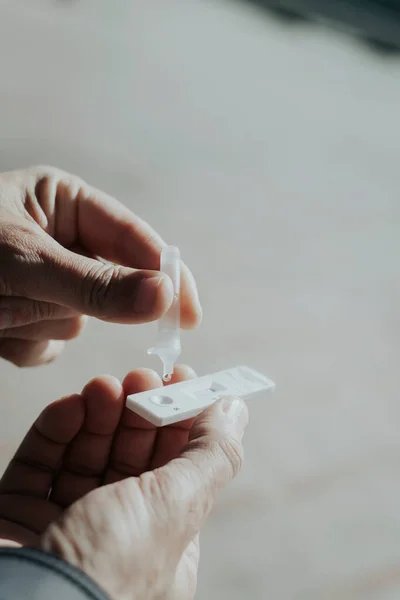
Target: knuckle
[(153, 485), (232, 451), (67, 183), (27, 312), (98, 286), (39, 311), (18, 239), (32, 311), (44, 171), (224, 450), (70, 186)]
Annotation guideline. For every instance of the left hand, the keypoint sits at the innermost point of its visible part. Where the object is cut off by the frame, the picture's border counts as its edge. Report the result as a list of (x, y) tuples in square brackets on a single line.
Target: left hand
[(78, 444), (108, 492), (53, 228)]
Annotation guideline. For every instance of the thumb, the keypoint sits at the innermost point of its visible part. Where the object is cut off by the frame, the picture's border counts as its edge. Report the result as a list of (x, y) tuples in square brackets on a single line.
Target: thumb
[(209, 462), (52, 273)]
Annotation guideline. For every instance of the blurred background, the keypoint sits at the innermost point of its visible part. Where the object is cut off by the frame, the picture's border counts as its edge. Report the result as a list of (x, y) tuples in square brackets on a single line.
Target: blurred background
[(267, 148)]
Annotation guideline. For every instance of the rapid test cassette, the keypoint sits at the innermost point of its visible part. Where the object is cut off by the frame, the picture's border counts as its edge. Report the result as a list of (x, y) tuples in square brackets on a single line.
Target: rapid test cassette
[(173, 403)]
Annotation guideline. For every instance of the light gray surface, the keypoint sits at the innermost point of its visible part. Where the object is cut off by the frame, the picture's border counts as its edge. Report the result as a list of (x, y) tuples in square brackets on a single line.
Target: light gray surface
[(270, 156)]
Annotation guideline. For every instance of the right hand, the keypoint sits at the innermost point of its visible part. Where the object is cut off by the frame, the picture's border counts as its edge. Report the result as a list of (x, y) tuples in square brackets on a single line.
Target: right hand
[(67, 251), (135, 497)]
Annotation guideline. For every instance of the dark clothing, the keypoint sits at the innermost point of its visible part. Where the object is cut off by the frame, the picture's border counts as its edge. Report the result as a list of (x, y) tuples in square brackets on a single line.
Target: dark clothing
[(29, 574)]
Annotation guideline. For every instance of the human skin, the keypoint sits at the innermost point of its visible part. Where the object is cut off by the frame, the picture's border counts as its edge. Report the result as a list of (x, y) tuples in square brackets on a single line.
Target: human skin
[(68, 251), (108, 492)]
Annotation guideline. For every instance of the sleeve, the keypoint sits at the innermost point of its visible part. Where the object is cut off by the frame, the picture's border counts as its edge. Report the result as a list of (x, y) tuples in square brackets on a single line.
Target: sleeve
[(30, 574)]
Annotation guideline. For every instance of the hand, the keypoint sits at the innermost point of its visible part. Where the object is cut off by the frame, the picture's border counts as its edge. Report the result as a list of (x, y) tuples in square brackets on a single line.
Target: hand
[(122, 500), (53, 226)]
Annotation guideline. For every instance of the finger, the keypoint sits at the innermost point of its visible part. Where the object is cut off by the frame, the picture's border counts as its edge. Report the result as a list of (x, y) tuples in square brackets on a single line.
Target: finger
[(54, 274), (27, 353), (62, 329), (17, 535), (139, 445), (32, 469), (172, 439), (181, 373), (16, 312), (105, 227), (130, 242), (88, 453), (212, 458), (134, 441), (34, 514)]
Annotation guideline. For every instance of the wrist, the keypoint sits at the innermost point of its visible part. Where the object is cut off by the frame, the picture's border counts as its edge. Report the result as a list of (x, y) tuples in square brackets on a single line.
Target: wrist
[(66, 551)]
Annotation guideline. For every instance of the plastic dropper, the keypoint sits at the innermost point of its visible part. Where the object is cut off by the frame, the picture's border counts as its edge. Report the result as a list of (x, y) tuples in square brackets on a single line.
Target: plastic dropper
[(168, 345)]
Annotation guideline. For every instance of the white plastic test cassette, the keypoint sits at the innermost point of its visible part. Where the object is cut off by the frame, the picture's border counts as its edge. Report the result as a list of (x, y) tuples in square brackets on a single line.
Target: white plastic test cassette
[(187, 399)]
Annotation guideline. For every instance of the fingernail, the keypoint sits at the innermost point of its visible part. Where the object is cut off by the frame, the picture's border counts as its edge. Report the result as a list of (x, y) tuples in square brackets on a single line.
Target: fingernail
[(5, 318), (233, 407), (52, 351), (236, 413), (148, 293)]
